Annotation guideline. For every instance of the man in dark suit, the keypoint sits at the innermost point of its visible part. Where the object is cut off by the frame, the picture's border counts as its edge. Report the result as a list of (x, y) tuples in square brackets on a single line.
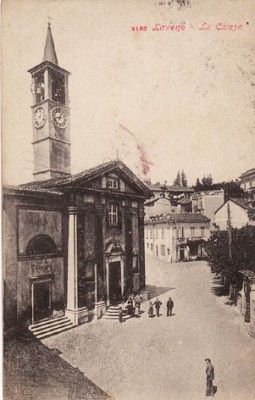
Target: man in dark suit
[(169, 306), (157, 305), (209, 377)]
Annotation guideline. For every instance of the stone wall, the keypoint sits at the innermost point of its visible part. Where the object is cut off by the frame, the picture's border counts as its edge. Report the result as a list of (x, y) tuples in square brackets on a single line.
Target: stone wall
[(23, 219)]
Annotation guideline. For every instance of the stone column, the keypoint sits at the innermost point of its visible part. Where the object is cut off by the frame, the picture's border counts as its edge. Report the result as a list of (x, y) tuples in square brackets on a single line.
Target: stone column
[(72, 311), (107, 283), (72, 284), (122, 277), (47, 85), (32, 303)]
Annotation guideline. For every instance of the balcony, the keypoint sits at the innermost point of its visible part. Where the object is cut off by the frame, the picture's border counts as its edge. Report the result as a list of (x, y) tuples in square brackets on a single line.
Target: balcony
[(181, 240), (196, 238)]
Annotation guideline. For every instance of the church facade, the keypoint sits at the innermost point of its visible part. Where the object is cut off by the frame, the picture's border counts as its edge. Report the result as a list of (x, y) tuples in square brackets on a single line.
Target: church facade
[(72, 243)]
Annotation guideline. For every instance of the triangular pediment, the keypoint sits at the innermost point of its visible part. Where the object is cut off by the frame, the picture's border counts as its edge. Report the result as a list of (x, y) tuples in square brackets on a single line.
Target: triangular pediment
[(115, 177), (93, 177)]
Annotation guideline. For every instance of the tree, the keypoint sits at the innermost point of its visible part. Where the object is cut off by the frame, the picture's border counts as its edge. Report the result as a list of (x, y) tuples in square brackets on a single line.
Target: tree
[(184, 181), (177, 181), (207, 180), (206, 184), (232, 190), (198, 185), (242, 252)]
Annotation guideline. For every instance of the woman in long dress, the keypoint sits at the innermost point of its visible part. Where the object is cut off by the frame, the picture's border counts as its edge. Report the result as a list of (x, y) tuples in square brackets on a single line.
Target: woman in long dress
[(151, 311), (137, 310), (130, 307)]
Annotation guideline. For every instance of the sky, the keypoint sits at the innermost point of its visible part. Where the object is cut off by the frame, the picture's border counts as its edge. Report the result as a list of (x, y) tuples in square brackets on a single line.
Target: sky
[(177, 99)]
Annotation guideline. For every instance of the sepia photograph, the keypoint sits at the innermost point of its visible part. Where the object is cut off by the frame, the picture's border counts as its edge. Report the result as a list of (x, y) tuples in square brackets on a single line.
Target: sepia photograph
[(128, 199)]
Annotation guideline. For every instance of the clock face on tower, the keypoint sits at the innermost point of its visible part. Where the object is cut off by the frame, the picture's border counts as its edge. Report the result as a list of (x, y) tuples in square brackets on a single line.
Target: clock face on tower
[(59, 117), (39, 117)]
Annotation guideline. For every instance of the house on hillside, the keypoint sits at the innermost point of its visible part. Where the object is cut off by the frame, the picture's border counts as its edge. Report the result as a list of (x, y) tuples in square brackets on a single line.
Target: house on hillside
[(157, 206), (207, 202), (177, 237), (238, 211), (174, 193), (247, 182)]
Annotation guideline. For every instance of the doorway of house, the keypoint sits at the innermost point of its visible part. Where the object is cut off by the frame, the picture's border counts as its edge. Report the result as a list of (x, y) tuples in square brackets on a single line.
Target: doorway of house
[(181, 253), (247, 315), (41, 300), (114, 282)]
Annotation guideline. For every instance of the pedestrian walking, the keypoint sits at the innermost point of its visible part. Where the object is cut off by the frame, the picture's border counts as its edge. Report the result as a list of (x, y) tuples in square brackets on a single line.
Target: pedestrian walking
[(169, 306), (120, 313), (209, 378), (157, 305), (132, 297), (151, 311), (138, 301), (136, 311), (129, 306)]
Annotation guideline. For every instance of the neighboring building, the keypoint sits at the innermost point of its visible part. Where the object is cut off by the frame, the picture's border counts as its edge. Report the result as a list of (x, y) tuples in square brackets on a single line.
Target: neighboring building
[(184, 205), (174, 193), (162, 205), (207, 203), (247, 180), (157, 206), (177, 237), (168, 199), (246, 299), (238, 211), (71, 242)]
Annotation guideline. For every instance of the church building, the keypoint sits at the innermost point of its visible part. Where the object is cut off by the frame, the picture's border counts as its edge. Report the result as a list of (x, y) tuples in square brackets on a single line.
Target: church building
[(73, 244)]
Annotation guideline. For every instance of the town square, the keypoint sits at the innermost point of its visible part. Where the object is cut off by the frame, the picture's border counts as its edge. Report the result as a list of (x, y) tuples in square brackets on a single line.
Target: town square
[(159, 357)]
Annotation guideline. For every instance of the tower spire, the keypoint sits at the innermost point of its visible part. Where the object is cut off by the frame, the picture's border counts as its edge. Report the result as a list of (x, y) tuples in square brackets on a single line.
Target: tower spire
[(49, 48)]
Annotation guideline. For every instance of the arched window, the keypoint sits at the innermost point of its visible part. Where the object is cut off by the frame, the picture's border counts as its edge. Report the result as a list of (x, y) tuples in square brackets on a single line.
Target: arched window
[(41, 244)]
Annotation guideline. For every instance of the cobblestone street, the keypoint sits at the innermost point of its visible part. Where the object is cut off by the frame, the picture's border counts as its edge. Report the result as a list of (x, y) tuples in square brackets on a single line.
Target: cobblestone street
[(163, 358)]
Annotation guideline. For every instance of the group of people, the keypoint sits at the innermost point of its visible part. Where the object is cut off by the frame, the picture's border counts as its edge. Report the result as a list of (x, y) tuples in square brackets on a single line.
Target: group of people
[(157, 304), (132, 305)]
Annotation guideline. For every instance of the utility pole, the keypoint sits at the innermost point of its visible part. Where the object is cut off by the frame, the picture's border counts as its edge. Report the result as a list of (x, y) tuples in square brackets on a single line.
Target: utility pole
[(229, 234), (96, 284)]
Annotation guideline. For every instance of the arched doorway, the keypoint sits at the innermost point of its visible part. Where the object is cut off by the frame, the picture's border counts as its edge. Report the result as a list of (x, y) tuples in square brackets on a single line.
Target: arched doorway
[(115, 282)]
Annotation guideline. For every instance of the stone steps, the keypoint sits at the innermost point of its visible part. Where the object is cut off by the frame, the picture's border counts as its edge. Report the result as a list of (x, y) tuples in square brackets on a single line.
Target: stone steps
[(50, 327), (112, 314)]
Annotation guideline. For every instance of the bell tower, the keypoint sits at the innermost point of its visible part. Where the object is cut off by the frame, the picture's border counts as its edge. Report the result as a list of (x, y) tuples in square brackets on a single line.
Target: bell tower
[(50, 116)]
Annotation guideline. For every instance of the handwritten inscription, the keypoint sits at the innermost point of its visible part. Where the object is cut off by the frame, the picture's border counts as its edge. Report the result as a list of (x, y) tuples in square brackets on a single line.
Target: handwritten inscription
[(180, 27), (220, 27), (159, 27)]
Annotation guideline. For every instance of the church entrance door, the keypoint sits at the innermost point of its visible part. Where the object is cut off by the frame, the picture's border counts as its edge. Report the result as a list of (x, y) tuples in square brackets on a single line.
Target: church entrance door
[(41, 300), (114, 282)]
